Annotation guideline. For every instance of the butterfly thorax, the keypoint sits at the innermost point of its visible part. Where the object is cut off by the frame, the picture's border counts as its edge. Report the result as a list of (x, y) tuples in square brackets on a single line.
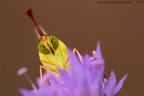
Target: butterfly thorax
[(53, 53)]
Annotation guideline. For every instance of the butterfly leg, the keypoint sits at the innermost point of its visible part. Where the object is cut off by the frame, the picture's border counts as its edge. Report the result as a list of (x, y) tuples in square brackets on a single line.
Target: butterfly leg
[(66, 66), (79, 55), (42, 67)]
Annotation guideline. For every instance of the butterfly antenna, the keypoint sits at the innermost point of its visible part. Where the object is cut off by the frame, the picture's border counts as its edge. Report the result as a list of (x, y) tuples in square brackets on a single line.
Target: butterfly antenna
[(28, 12)]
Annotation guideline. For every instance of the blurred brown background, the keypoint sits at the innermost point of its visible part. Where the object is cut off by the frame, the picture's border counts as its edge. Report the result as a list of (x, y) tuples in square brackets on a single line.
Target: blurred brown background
[(80, 24)]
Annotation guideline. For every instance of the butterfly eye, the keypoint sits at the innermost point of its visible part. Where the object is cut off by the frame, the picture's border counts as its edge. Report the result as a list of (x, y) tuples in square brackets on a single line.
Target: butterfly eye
[(54, 42), (43, 49)]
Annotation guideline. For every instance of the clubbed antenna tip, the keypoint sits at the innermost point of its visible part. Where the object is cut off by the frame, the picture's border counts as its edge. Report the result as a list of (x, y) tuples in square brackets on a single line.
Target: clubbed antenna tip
[(28, 11)]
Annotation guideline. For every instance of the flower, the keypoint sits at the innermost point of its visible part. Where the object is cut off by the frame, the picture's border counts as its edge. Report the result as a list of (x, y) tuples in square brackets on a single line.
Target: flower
[(85, 79)]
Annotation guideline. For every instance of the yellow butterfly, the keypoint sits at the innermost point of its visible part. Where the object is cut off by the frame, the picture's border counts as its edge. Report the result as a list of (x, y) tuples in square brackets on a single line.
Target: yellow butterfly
[(53, 52)]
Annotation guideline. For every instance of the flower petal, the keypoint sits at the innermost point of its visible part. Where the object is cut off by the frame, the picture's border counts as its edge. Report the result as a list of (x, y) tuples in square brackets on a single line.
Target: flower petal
[(98, 55), (110, 85), (119, 85), (96, 85), (75, 69), (26, 92)]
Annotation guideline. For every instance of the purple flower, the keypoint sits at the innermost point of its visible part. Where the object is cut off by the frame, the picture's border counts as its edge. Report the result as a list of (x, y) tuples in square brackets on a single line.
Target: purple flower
[(86, 79)]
